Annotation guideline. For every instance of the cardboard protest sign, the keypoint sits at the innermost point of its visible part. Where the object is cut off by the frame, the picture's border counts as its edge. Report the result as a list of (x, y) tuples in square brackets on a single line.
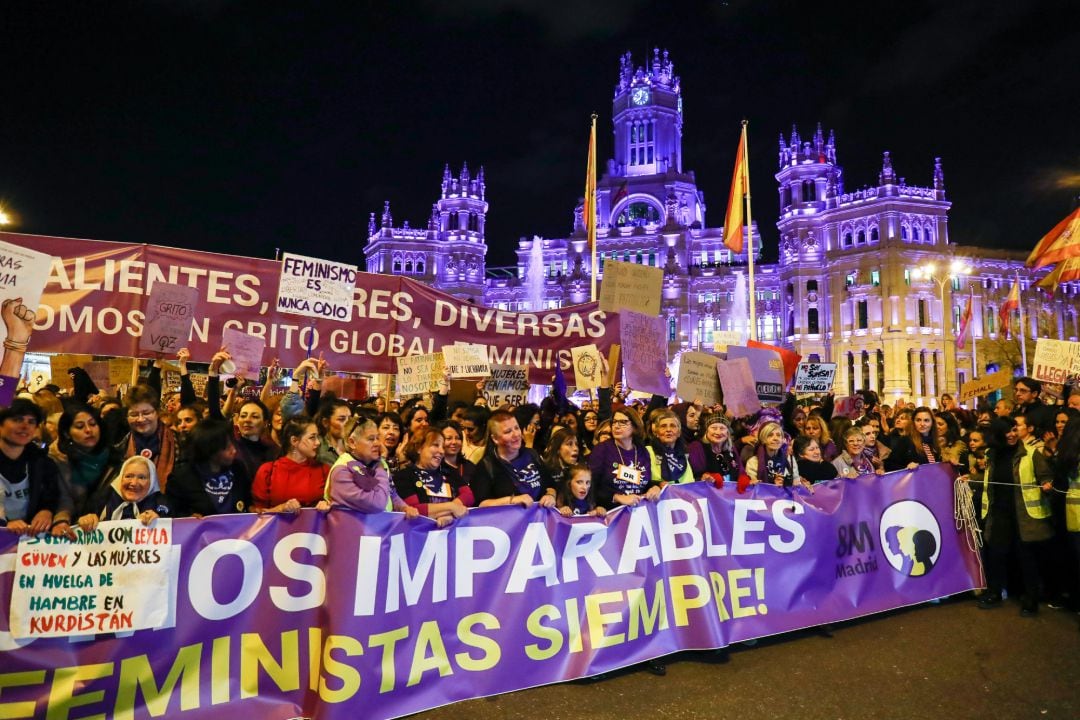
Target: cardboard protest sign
[(722, 338), (246, 351), (740, 391), (467, 361), (1056, 361), (587, 367), (120, 371), (23, 274), (123, 571), (815, 377), (985, 384), (169, 312), (60, 364), (316, 288), (462, 391), (767, 369), (508, 385), (697, 378), (644, 340), (628, 286), (418, 374)]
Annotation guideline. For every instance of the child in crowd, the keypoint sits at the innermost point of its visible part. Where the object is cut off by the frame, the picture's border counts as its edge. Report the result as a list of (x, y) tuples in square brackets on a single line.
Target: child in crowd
[(575, 495)]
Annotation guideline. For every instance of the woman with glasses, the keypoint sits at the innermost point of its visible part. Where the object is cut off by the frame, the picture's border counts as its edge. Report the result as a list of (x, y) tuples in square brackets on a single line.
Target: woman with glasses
[(621, 466), (587, 431), (147, 436)]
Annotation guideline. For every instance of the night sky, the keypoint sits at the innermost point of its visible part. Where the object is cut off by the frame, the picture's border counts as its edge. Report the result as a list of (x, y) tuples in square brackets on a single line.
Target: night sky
[(244, 126)]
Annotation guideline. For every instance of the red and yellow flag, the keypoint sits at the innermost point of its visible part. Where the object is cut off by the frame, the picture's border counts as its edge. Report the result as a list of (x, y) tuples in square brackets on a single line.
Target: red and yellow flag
[(965, 321), (590, 189), (740, 184), (1061, 243), (1066, 271), (1011, 305)]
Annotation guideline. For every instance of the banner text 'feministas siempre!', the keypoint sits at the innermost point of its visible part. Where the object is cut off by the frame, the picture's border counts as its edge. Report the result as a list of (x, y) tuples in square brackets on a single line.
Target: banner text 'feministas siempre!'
[(94, 302), (504, 599)]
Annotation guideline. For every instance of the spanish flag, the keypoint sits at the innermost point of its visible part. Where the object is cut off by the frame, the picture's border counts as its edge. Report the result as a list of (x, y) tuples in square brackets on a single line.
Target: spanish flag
[(1066, 271), (965, 321), (1061, 243), (735, 219), (1011, 305), (590, 189)]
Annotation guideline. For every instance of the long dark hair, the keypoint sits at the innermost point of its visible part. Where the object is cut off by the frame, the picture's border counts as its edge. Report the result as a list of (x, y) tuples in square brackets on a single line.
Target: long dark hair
[(63, 427), (1068, 449)]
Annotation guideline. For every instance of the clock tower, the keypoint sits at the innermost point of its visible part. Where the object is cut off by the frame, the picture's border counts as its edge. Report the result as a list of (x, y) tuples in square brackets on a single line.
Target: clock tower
[(647, 114)]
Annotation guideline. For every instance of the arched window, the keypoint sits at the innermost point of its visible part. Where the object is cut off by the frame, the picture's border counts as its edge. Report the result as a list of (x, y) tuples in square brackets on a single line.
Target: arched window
[(904, 232), (860, 239), (408, 265), (917, 234), (809, 191), (873, 234), (847, 240), (397, 263), (812, 326), (929, 236), (420, 266)]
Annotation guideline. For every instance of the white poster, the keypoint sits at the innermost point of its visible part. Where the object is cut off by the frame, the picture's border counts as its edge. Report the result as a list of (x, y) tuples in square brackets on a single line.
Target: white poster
[(316, 288)]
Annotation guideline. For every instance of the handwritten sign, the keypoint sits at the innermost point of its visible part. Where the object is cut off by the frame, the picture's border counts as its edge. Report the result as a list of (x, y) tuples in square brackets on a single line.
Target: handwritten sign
[(740, 391), (1056, 361), (169, 312), (644, 342), (767, 369), (508, 385), (23, 274), (722, 338), (120, 370), (316, 288), (984, 385), (60, 364), (113, 579), (697, 378), (587, 367), (246, 351), (467, 361), (418, 374), (814, 377), (628, 286)]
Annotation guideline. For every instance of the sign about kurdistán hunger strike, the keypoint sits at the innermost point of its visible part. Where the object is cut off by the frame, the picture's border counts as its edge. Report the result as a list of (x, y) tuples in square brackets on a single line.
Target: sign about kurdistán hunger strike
[(113, 579), (316, 288)]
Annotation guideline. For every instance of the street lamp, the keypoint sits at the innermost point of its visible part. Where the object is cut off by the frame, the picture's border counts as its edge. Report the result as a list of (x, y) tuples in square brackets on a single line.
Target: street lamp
[(5, 219), (943, 276)]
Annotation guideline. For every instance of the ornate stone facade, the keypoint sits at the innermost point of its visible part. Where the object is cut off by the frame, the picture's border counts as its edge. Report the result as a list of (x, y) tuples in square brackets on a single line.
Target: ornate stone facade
[(844, 290)]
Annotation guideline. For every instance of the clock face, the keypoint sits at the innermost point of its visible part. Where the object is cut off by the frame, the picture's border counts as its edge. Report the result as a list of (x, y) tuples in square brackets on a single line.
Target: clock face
[(640, 96)]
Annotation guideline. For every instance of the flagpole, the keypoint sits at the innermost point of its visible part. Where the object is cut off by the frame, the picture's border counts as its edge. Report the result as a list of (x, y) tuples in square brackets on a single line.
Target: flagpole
[(1023, 332), (750, 238), (974, 357), (590, 207)]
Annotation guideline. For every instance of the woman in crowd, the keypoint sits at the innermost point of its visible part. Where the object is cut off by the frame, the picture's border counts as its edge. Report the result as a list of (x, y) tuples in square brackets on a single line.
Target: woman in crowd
[(453, 459), (390, 439), (415, 419), (82, 454), (772, 463), (360, 478), (562, 454), (812, 467), (510, 473), (1067, 471), (1018, 521), (147, 435), (295, 480), (852, 462), (918, 444), (423, 484), (212, 479), (689, 416), (815, 428), (953, 448), (133, 494), (715, 452), (253, 444), (587, 431), (621, 465), (667, 450), (528, 418), (332, 419)]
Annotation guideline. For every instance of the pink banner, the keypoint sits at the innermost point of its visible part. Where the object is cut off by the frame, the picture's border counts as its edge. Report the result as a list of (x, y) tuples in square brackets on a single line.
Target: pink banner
[(95, 302)]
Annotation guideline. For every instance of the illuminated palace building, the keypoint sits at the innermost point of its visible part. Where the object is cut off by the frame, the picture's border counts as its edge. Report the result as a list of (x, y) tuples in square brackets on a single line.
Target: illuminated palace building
[(864, 279)]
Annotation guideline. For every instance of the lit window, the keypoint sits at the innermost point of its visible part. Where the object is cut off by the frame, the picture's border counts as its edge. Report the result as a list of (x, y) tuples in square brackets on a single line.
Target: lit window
[(875, 277)]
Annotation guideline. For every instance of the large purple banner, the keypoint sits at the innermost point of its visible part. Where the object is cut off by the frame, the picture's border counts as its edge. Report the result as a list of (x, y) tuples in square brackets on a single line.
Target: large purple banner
[(333, 615)]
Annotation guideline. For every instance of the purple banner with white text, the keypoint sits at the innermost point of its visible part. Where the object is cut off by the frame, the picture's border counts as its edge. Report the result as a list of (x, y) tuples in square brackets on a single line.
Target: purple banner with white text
[(325, 615)]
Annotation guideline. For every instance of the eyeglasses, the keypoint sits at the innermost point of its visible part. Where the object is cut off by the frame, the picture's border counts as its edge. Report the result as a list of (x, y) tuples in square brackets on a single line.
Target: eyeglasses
[(623, 421)]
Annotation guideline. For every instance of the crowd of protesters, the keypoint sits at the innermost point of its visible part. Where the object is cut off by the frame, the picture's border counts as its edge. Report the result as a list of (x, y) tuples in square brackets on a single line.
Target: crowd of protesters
[(81, 457)]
